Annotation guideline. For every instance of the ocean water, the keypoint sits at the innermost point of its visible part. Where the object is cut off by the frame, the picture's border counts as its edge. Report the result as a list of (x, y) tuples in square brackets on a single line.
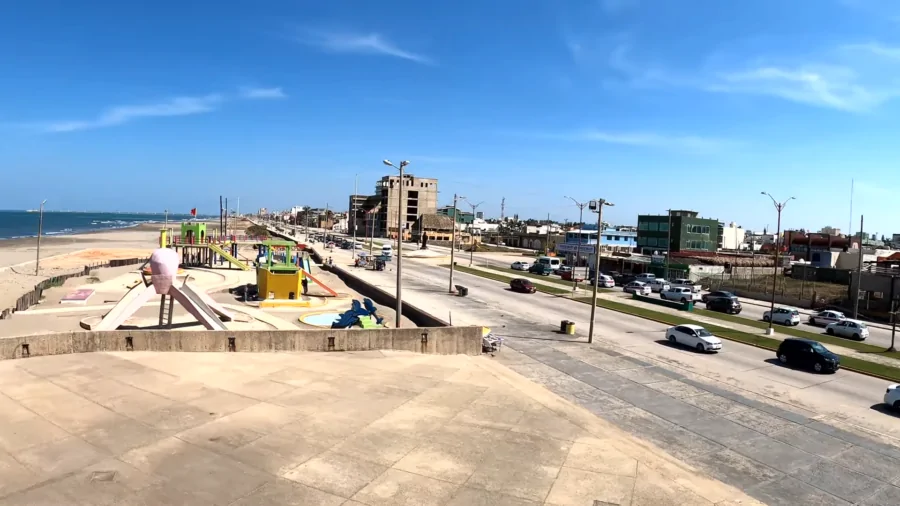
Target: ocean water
[(19, 224)]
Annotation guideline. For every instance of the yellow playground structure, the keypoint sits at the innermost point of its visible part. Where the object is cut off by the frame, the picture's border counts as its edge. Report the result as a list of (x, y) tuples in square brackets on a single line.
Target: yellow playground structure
[(281, 269)]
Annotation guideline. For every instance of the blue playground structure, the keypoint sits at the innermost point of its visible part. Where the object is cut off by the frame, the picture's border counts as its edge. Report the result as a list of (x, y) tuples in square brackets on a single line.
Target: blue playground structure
[(366, 318)]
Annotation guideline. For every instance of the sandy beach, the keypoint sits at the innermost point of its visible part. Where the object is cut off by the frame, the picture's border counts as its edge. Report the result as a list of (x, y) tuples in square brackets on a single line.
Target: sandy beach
[(63, 254)]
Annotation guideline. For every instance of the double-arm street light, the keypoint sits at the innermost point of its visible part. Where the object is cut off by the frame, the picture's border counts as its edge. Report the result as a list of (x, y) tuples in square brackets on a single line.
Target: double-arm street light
[(597, 207), (779, 206), (453, 239), (472, 246), (400, 213), (581, 206)]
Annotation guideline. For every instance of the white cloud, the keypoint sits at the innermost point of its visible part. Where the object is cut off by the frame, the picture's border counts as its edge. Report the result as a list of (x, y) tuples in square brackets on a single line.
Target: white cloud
[(369, 43), (177, 106), (875, 49), (262, 93), (685, 143)]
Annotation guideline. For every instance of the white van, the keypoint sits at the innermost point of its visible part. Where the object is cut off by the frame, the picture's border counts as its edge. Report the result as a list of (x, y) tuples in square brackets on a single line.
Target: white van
[(554, 262), (645, 277), (387, 250)]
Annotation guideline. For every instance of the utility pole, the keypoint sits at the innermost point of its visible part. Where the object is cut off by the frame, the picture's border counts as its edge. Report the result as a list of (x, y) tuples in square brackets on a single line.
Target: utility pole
[(226, 216), (221, 222), (37, 263), (581, 206), (399, 309), (472, 246), (668, 244), (893, 320), (547, 243), (453, 242), (779, 206), (353, 210), (858, 270), (597, 207)]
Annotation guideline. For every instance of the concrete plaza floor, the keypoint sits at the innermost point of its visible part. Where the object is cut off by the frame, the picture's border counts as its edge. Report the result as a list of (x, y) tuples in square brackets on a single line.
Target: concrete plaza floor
[(371, 428)]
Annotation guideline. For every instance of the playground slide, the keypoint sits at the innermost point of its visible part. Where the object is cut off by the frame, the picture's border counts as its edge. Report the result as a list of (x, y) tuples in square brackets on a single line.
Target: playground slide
[(323, 285), (127, 306), (194, 305), (227, 256), (204, 297)]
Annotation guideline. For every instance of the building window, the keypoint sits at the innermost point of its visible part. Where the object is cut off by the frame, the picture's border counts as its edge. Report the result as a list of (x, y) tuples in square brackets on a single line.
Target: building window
[(609, 238), (654, 226), (642, 241), (651, 241), (664, 227), (618, 238), (642, 225)]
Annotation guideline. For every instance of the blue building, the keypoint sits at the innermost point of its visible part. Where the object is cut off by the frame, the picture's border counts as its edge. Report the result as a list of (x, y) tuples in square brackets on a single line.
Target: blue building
[(583, 242)]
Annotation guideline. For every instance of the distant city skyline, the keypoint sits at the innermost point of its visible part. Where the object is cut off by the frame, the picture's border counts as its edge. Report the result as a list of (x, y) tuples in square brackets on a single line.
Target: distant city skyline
[(116, 106)]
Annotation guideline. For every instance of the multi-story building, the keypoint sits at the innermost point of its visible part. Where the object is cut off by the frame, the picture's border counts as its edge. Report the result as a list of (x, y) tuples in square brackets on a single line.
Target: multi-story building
[(357, 210), (688, 232), (463, 217), (419, 196), (582, 243), (731, 236)]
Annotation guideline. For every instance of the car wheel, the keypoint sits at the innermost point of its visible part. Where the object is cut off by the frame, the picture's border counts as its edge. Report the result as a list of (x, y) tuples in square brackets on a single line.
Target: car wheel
[(818, 367), (812, 321), (765, 318), (672, 339), (856, 337), (683, 300), (700, 347), (897, 405), (830, 332), (783, 358), (662, 296)]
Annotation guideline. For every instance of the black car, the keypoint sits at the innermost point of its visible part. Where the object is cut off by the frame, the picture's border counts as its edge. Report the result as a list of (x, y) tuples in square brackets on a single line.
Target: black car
[(522, 285), (542, 269), (716, 295), (729, 305), (808, 354)]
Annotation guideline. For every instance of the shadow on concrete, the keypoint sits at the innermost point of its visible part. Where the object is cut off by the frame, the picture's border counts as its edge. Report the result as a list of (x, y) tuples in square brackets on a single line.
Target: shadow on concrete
[(677, 346), (885, 409), (775, 361)]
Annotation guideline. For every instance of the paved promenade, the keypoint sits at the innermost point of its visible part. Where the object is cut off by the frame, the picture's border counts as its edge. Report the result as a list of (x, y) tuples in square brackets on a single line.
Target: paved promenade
[(354, 429)]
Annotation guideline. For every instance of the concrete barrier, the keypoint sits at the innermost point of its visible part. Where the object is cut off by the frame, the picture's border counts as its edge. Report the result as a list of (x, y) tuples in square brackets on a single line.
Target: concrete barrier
[(436, 341)]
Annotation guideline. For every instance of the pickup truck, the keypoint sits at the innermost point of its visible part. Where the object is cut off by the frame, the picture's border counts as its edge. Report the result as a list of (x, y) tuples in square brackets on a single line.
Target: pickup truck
[(680, 293)]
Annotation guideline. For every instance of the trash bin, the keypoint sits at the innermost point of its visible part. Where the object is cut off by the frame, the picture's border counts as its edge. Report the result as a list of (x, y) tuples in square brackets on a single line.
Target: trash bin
[(462, 291), (563, 326), (570, 328)]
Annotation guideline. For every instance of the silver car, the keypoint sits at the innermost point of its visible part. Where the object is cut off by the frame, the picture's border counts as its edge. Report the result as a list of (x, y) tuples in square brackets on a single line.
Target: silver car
[(637, 287), (851, 329)]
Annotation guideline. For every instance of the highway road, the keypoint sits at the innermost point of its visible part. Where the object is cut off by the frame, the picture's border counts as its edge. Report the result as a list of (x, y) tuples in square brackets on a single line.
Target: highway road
[(845, 395)]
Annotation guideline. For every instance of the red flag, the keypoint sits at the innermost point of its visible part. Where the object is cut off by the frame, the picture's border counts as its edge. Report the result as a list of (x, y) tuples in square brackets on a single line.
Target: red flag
[(194, 212)]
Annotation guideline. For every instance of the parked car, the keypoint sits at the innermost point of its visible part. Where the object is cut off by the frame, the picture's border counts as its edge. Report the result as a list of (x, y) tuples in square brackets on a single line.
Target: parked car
[(605, 281), (542, 269), (686, 283), (637, 287), (520, 266), (712, 295), (645, 277), (658, 285), (826, 318), (679, 293), (892, 396), (570, 274), (784, 316), (522, 285), (564, 268), (623, 279), (694, 336), (808, 354), (724, 305), (854, 329)]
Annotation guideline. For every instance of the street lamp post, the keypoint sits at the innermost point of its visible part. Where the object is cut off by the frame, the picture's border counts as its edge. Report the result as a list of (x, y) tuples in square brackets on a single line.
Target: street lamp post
[(472, 246), (597, 207), (581, 206), (353, 210), (779, 206), (453, 241), (399, 308), (37, 263), (668, 243)]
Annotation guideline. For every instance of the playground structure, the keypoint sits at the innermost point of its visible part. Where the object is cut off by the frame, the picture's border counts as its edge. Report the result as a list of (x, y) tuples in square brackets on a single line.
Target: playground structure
[(164, 269), (281, 268), (366, 318), (198, 250)]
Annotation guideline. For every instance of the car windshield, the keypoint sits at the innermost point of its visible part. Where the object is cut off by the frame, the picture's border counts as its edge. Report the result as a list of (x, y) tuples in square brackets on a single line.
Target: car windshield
[(861, 325), (703, 333), (819, 348)]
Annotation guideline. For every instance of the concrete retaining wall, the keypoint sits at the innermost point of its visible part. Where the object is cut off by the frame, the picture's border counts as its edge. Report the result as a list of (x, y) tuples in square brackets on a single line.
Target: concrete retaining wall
[(437, 341)]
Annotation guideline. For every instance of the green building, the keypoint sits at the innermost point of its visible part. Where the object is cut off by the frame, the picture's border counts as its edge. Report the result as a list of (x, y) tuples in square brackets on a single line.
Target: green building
[(463, 216), (689, 233)]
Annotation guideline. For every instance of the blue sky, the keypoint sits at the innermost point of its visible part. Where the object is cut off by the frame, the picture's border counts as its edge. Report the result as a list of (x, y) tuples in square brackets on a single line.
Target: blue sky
[(650, 104)]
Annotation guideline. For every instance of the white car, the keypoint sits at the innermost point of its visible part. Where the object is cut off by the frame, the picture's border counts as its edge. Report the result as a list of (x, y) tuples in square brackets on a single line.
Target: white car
[(680, 293), (637, 287), (606, 281), (892, 396), (694, 336), (658, 285), (784, 316), (685, 283), (853, 329), (826, 317), (520, 266)]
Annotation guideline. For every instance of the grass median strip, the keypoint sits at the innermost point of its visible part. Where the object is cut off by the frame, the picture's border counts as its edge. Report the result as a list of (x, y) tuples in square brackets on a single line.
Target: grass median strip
[(849, 363), (507, 279), (793, 331)]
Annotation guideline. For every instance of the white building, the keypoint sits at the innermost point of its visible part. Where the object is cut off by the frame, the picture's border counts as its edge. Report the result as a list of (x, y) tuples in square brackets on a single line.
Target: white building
[(733, 236), (479, 227)]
